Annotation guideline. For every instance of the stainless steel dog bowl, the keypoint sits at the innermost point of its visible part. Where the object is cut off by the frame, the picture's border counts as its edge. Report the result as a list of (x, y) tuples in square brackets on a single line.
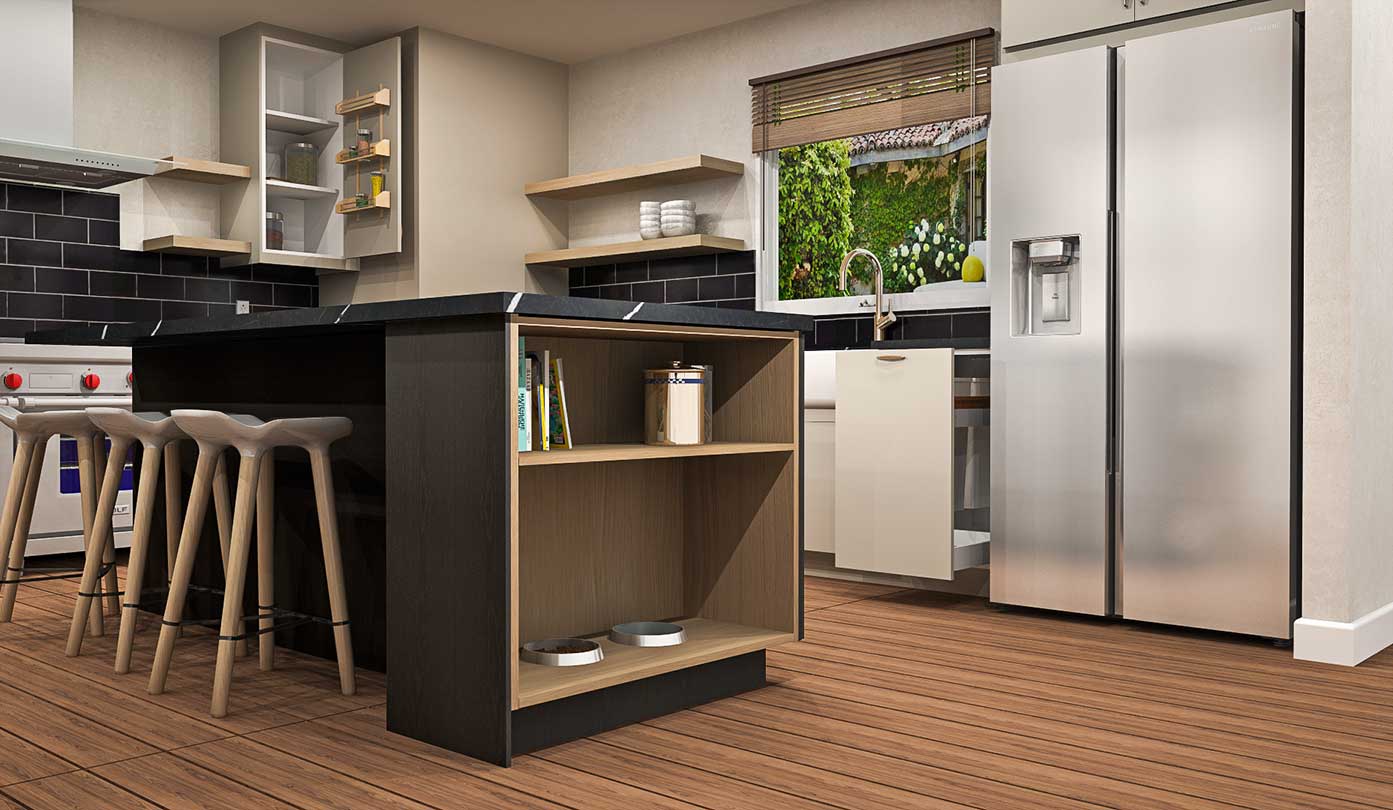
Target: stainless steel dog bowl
[(562, 652), (648, 634)]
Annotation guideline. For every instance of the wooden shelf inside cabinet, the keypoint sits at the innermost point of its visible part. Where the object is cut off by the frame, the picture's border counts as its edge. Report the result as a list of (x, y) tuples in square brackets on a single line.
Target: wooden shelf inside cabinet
[(381, 149), (688, 169), (197, 246), (664, 248), (707, 641), (590, 453), (204, 171), (367, 101), (299, 191), (297, 124), (351, 206)]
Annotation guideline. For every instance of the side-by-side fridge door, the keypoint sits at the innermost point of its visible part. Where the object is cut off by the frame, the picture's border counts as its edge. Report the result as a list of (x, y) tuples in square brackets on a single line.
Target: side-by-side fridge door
[(1048, 175)]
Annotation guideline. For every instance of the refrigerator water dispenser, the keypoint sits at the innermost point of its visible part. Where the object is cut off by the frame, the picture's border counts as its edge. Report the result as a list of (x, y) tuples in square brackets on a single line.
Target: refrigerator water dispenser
[(1045, 286)]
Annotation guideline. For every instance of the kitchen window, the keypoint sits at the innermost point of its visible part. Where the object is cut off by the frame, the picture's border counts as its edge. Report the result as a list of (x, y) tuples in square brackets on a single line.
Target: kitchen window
[(885, 152)]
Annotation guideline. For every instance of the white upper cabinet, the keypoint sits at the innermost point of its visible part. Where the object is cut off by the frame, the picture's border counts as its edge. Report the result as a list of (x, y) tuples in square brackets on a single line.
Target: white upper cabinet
[(1025, 21), (1148, 9), (278, 93)]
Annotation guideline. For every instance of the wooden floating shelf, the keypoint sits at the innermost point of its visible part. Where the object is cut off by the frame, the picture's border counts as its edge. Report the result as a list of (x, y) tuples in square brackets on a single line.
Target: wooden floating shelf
[(197, 246), (297, 124), (351, 206), (689, 169), (381, 149), (298, 191), (367, 101), (204, 171), (665, 248), (589, 453), (707, 640)]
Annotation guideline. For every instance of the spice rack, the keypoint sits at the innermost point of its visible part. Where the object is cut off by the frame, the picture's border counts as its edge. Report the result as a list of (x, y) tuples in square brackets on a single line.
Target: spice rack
[(360, 153)]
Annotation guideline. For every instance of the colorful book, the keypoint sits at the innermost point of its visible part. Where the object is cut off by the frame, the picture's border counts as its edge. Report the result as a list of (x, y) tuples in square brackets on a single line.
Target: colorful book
[(560, 416), (524, 402), (544, 399)]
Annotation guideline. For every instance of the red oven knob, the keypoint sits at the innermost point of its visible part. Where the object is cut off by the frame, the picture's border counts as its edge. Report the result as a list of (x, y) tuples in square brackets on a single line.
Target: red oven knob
[(130, 378), (13, 380), (91, 381)]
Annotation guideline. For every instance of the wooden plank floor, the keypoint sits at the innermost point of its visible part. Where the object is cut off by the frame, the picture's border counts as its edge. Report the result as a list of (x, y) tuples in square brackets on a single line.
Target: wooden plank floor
[(896, 699)]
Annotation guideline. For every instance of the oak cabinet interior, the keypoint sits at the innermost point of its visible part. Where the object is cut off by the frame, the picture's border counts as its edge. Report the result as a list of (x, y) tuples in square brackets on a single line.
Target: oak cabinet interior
[(711, 541)]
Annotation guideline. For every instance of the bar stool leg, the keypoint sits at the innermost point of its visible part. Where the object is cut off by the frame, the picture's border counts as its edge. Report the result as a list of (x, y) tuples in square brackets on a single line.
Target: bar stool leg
[(333, 565), (140, 547), (14, 493), (98, 531), (20, 539), (111, 585), (232, 625), (182, 571), (173, 499), (265, 559), (222, 508)]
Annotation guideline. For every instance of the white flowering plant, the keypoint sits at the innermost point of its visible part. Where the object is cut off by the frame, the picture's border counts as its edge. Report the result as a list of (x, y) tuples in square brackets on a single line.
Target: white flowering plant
[(928, 254)]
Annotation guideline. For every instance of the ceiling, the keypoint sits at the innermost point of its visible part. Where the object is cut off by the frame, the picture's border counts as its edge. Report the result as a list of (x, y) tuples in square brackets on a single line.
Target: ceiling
[(567, 31)]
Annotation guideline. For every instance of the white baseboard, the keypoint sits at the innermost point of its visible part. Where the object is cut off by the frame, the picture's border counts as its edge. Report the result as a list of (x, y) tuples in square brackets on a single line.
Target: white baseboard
[(1344, 643)]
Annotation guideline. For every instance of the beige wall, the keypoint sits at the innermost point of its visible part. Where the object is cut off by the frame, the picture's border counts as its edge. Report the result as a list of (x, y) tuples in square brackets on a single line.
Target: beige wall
[(692, 95), (140, 89), (1348, 443), (491, 120)]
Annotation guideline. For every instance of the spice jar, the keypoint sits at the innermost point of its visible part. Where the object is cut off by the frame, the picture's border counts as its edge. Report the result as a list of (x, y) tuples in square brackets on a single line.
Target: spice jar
[(302, 164), (379, 182), (364, 141), (275, 231)]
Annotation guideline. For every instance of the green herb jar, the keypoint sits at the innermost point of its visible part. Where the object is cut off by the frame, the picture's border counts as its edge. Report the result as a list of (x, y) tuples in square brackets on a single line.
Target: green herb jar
[(302, 164)]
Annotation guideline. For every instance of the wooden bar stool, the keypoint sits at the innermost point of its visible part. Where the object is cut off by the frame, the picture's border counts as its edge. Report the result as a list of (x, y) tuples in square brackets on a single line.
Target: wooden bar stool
[(155, 432), (32, 432), (256, 441)]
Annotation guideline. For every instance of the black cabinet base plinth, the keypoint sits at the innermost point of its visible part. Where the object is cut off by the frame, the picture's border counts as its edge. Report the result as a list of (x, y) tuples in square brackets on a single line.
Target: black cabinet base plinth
[(558, 721)]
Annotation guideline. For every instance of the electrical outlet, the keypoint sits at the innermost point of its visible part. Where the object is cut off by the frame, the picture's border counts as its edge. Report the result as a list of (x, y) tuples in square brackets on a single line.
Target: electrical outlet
[(244, 307)]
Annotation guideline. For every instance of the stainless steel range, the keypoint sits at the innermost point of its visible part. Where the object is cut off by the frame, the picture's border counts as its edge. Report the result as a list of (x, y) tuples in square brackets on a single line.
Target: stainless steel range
[(51, 378)]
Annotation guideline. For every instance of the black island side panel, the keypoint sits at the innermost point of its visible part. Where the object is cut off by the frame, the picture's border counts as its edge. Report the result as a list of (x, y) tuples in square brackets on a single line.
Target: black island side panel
[(332, 373), (448, 503)]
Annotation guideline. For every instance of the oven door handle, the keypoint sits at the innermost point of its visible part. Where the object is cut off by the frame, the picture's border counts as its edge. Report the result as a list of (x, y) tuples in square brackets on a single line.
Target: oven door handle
[(26, 403)]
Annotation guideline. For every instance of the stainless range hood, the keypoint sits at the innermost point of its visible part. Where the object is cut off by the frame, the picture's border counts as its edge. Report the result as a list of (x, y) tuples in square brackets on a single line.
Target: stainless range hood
[(36, 137), (69, 166)]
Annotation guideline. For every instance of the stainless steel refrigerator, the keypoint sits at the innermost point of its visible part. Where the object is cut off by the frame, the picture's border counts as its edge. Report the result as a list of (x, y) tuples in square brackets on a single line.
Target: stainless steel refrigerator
[(1145, 224)]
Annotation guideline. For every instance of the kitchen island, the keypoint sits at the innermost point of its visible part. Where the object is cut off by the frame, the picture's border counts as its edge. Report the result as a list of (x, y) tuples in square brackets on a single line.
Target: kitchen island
[(458, 548)]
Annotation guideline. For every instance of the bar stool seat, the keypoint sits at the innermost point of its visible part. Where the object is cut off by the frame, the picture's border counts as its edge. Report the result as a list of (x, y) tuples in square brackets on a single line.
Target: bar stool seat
[(32, 432), (256, 441)]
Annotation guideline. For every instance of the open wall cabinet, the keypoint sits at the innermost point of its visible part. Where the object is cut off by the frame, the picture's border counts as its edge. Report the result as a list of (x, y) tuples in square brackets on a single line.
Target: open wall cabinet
[(280, 89)]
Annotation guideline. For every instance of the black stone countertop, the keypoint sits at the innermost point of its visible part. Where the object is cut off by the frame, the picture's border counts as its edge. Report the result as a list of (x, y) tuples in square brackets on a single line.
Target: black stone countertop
[(963, 343), (297, 320)]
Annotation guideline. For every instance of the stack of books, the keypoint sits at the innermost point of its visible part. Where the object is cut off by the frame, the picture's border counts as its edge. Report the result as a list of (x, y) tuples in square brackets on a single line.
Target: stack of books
[(543, 421)]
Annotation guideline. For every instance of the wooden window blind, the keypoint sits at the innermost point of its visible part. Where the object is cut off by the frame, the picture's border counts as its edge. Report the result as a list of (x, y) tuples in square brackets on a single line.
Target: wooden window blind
[(934, 81)]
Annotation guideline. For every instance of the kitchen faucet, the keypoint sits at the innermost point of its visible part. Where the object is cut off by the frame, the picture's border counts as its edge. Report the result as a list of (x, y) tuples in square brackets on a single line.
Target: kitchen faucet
[(879, 321)]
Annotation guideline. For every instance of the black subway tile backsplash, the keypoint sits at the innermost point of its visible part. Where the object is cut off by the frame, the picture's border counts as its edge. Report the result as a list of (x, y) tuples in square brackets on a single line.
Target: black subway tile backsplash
[(732, 263), (27, 251), (34, 199), (60, 264), (35, 305), (682, 267), (89, 257), (213, 290), (17, 223), (617, 292), (14, 277), (59, 280), (683, 290), (90, 205), (115, 284), (60, 229), (652, 292), (715, 288), (103, 232)]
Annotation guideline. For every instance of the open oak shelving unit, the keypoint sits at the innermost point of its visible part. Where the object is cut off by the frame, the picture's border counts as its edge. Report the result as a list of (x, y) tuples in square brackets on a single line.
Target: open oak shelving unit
[(615, 530), (688, 169)]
